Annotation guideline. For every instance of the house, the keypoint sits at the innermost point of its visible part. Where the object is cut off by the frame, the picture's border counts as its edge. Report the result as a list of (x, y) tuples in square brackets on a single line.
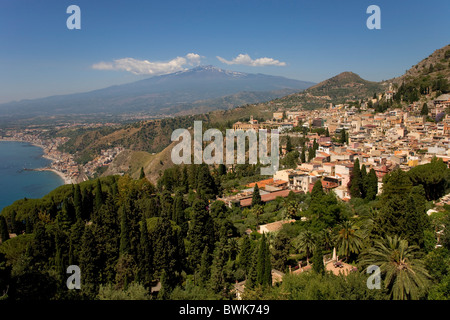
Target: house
[(274, 226)]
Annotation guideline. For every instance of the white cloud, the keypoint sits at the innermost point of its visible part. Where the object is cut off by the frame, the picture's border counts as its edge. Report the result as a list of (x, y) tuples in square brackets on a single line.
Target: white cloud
[(245, 59), (145, 67)]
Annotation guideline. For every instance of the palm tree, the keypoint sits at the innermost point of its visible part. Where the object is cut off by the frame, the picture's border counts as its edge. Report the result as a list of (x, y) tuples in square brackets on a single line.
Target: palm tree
[(348, 239), (305, 242), (405, 274), (292, 209), (326, 238)]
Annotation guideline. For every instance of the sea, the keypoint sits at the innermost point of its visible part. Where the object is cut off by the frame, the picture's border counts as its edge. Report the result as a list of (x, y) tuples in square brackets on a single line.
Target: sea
[(17, 183)]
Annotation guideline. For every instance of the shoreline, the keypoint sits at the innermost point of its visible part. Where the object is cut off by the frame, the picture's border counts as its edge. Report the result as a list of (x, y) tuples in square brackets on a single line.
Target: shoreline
[(64, 177)]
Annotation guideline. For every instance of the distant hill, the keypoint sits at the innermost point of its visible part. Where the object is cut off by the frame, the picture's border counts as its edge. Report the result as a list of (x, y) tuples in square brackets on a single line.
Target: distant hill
[(338, 89), (202, 87)]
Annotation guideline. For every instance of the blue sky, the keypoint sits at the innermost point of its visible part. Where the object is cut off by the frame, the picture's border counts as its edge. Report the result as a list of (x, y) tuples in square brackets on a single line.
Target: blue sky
[(305, 40)]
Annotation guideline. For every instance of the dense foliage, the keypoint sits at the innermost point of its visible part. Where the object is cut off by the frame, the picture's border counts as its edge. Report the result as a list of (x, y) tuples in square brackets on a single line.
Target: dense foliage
[(127, 236)]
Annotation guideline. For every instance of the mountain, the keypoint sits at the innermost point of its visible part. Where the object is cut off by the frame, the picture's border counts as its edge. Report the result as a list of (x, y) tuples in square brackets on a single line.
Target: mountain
[(338, 89), (162, 94)]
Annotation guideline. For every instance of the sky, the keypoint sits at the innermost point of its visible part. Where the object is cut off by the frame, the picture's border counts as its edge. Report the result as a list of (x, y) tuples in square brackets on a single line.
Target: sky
[(125, 41)]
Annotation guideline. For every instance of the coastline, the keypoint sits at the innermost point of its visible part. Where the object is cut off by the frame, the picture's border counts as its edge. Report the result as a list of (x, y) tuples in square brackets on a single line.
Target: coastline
[(64, 177)]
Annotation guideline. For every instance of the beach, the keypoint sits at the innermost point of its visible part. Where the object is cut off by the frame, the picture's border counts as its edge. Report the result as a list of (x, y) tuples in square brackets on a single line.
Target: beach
[(65, 178), (62, 175)]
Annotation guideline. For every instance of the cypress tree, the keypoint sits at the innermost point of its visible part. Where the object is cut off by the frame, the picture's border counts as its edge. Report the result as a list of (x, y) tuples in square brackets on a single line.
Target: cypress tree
[(303, 155), (371, 185), (217, 281), (256, 198), (89, 264), (317, 191), (142, 174), (185, 180), (222, 169), (311, 153), (317, 260), (424, 111), (263, 268), (201, 232), (77, 202), (178, 215), (288, 144), (245, 254), (364, 181), (98, 195), (204, 270), (88, 204), (355, 180), (253, 270), (145, 256), (315, 146), (206, 187), (124, 232), (4, 234)]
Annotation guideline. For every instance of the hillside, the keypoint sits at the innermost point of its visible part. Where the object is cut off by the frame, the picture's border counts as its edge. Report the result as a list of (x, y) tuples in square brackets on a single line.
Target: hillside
[(152, 136), (338, 89), (426, 80), (437, 63)]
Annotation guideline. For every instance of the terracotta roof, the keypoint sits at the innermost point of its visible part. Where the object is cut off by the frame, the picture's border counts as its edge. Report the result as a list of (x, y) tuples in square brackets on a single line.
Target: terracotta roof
[(261, 183)]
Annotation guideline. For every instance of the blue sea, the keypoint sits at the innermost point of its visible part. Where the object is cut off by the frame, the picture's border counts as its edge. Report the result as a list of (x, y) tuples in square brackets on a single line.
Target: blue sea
[(15, 183)]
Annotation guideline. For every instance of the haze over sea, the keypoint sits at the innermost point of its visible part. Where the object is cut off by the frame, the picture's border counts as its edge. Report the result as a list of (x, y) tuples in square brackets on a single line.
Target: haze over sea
[(16, 183)]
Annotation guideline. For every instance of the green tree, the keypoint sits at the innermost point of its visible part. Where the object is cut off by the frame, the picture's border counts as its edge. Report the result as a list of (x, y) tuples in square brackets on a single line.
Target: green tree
[(402, 209), (256, 198), (424, 111), (98, 195), (264, 267), (201, 232), (371, 185), (318, 265), (4, 234), (348, 239), (303, 155), (204, 271), (344, 137), (405, 276), (78, 202), (280, 251), (305, 242), (142, 174), (145, 256), (89, 264), (245, 254), (206, 187), (218, 272), (124, 232), (355, 180), (433, 176), (289, 146)]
